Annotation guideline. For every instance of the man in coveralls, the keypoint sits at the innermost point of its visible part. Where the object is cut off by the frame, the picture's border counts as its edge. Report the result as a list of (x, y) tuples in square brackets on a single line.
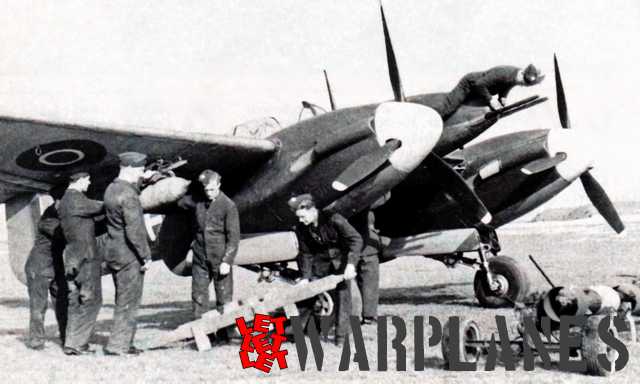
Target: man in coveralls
[(127, 250), (45, 275), (328, 244), (81, 263), (368, 265), (485, 85), (215, 246)]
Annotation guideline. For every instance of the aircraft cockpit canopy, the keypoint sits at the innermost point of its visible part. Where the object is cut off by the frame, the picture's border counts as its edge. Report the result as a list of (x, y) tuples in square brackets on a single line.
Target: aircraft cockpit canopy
[(258, 128)]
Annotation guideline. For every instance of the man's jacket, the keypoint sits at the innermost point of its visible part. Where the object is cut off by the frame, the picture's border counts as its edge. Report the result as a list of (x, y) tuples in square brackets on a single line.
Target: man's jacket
[(495, 81), (127, 235), (334, 240), (217, 226), (77, 218), (47, 245)]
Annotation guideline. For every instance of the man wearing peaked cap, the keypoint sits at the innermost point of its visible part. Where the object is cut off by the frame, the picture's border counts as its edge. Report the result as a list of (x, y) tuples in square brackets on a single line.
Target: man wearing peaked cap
[(81, 262), (132, 159), (207, 176), (296, 201), (127, 250)]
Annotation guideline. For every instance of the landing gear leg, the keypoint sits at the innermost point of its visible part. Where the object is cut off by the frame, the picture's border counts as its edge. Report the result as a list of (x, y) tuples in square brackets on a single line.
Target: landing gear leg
[(500, 282), (495, 283)]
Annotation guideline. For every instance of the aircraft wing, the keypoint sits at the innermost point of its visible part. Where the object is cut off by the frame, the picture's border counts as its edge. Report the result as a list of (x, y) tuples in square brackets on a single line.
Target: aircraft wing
[(37, 155)]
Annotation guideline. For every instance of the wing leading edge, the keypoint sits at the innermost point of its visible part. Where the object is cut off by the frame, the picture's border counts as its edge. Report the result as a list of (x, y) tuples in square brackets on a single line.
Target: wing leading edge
[(37, 155)]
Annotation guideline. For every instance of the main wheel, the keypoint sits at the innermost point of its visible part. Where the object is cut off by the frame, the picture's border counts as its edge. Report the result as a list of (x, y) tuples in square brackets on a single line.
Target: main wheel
[(469, 332), (511, 283), (593, 346)]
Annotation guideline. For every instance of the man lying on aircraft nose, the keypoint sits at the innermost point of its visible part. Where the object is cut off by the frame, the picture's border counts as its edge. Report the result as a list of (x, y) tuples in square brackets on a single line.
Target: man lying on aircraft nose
[(497, 81)]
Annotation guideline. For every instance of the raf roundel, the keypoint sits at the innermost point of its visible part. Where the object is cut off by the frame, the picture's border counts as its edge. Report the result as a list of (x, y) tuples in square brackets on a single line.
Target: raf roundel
[(61, 157), (60, 154)]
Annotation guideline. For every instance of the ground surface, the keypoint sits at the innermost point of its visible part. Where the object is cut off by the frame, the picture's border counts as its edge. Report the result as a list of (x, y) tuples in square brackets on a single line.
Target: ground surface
[(580, 253)]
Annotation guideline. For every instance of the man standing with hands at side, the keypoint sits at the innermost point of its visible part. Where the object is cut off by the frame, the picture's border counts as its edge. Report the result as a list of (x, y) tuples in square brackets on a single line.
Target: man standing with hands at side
[(215, 246), (127, 250)]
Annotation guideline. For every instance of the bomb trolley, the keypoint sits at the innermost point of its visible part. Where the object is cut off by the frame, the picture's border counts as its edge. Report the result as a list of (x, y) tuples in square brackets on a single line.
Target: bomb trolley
[(279, 300), (598, 303)]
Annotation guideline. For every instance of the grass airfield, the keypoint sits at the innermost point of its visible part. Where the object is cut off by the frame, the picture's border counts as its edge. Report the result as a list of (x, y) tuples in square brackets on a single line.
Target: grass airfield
[(580, 252)]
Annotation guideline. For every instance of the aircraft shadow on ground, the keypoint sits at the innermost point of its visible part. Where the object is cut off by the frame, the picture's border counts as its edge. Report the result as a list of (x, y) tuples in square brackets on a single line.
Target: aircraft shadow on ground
[(175, 314), (15, 303), (427, 294), (164, 321)]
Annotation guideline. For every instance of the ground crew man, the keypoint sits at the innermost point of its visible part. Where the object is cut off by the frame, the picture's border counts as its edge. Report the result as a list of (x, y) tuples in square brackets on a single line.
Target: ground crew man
[(485, 85), (215, 246), (45, 275), (127, 251), (81, 263), (328, 244), (368, 266)]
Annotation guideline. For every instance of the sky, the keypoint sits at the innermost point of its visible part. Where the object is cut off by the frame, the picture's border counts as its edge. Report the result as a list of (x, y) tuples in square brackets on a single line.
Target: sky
[(206, 66)]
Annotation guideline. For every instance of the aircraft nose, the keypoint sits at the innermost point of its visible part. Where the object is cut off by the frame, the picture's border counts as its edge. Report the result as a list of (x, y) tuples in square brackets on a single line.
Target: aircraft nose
[(577, 146)]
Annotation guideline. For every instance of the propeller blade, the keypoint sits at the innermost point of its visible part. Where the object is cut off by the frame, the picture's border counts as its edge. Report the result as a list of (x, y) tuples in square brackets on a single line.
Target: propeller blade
[(331, 101), (561, 99), (364, 166), (455, 186), (394, 74), (601, 201), (537, 166)]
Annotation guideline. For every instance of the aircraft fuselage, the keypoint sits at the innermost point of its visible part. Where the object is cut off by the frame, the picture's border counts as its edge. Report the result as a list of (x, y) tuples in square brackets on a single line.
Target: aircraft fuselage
[(263, 200)]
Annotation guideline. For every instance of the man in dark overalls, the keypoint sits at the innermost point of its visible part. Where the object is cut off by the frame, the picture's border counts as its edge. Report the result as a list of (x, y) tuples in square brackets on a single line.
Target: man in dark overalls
[(127, 250), (45, 275), (485, 85), (368, 266), (215, 246), (328, 244), (81, 263)]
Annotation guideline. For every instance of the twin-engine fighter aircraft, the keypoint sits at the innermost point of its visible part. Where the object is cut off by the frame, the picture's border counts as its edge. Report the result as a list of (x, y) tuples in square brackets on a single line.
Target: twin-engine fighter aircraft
[(431, 199)]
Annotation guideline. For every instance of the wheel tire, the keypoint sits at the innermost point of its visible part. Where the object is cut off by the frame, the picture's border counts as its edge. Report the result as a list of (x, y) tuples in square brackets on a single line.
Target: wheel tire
[(323, 305), (509, 270), (592, 346), (468, 331)]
